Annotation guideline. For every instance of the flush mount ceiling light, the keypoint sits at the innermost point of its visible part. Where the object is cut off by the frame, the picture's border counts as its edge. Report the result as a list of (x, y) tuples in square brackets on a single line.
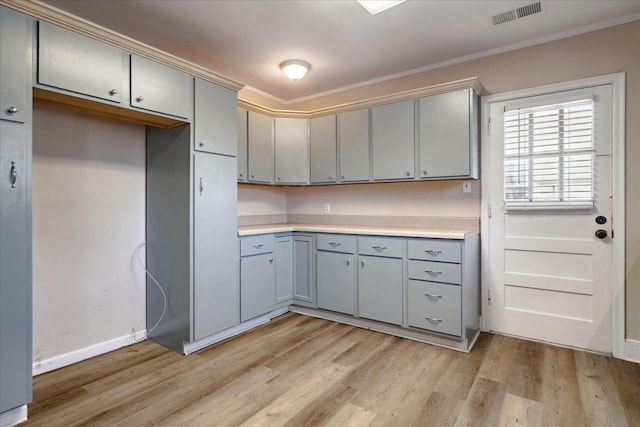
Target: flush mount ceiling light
[(295, 69), (377, 6)]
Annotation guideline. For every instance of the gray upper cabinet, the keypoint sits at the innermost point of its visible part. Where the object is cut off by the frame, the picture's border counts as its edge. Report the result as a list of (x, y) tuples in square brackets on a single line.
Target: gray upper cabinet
[(291, 150), (323, 149), (216, 295), (393, 141), (214, 118), (242, 144), (15, 78), (260, 146), (353, 143), (71, 61), (448, 141), (159, 88)]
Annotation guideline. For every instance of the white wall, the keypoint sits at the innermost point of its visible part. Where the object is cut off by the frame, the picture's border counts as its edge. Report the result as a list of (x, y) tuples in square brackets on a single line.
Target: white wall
[(427, 198), (88, 216), (261, 200)]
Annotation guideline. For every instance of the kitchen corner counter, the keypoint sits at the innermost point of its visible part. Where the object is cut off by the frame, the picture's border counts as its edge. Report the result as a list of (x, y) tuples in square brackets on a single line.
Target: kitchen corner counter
[(435, 233)]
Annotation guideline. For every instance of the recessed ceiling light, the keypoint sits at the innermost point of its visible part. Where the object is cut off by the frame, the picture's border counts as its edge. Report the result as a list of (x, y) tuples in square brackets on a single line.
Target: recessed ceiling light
[(295, 69), (377, 6)]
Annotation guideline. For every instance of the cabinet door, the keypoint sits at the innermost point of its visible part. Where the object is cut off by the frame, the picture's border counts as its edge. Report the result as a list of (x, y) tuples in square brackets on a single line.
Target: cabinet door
[(215, 116), (353, 142), (336, 282), (292, 150), (15, 267), (284, 269), (393, 141), (216, 288), (242, 144), (159, 88), (380, 289), (322, 146), (15, 57), (260, 147), (77, 63), (303, 270), (445, 137), (257, 286)]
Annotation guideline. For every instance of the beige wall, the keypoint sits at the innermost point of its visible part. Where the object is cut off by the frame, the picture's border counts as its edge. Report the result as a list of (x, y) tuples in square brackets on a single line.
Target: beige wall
[(261, 200), (615, 49), (88, 217)]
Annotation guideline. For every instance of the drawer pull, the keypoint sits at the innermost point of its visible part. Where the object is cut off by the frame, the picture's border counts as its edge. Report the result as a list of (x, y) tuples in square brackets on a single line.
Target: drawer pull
[(334, 244), (433, 251), (379, 248), (433, 272), (433, 320), (433, 297), (258, 246)]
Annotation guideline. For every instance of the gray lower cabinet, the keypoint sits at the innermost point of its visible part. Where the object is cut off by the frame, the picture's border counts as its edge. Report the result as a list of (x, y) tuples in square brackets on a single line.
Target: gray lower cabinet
[(161, 89), (192, 239), (291, 150), (322, 149), (336, 281), (380, 289), (304, 285), (260, 148), (393, 141), (257, 276), (215, 108), (15, 54), (242, 144), (448, 135), (15, 266), (353, 146), (16, 355), (284, 269)]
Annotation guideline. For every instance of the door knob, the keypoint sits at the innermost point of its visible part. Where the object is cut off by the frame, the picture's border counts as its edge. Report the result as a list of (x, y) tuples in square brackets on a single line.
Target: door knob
[(601, 220), (601, 234)]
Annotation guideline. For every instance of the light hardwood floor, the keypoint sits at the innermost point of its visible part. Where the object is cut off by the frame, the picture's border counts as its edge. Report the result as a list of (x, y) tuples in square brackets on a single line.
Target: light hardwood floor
[(303, 371)]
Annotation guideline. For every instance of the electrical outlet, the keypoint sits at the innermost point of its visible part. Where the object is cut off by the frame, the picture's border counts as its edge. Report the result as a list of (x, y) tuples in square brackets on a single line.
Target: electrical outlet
[(327, 208), (466, 186)]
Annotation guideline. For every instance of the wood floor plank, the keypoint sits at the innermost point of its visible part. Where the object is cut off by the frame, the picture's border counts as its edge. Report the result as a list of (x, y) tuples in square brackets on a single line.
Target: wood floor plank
[(304, 371)]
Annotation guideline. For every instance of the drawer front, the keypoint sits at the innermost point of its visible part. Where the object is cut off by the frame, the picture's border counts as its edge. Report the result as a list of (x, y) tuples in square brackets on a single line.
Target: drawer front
[(435, 250), (438, 295), (380, 246), (436, 319), (337, 243), (435, 271), (254, 245)]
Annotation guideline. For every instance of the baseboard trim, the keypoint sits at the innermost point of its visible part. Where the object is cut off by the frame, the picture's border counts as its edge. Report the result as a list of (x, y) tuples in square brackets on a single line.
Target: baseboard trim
[(191, 347), (66, 359), (14, 416), (632, 350)]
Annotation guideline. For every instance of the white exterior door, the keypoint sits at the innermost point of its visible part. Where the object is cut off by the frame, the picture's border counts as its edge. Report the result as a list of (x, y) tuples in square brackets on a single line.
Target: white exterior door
[(548, 256)]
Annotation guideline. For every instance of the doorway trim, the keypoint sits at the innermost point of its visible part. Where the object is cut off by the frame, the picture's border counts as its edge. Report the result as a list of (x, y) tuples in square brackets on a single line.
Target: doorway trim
[(617, 80)]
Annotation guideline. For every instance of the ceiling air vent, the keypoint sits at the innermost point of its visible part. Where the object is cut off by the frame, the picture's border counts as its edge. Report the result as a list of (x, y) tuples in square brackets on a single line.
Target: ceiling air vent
[(521, 12)]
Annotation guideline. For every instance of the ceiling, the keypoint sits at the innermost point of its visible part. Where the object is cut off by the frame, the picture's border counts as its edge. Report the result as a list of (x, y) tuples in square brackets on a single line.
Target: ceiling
[(246, 40)]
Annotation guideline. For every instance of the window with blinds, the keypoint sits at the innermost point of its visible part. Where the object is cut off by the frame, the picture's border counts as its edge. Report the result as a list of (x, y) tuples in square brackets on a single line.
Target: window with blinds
[(549, 156)]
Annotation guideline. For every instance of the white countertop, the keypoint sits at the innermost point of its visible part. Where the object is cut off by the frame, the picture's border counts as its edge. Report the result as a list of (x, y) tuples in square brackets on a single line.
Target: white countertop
[(248, 230)]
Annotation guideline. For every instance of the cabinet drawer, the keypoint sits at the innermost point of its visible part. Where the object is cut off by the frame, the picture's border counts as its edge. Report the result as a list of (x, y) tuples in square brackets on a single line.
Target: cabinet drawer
[(254, 245), (337, 243), (436, 319), (380, 246), (435, 271), (438, 295), (435, 250)]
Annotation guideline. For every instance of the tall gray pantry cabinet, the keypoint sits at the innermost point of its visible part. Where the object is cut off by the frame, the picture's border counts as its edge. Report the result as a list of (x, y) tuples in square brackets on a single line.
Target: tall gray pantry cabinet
[(15, 213)]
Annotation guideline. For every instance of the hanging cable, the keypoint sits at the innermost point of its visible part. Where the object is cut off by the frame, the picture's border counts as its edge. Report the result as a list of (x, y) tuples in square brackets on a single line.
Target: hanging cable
[(164, 296)]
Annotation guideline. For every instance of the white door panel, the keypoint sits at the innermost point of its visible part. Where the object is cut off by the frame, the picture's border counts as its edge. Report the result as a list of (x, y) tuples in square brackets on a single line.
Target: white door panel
[(549, 275)]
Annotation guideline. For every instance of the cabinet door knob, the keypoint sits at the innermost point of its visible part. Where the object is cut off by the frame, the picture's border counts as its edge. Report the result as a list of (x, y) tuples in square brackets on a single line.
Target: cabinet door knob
[(279, 178), (330, 176), (253, 176), (113, 92), (270, 260), (201, 144), (407, 173), (140, 99), (424, 172), (241, 174), (348, 261), (201, 186), (14, 174), (342, 176), (362, 263), (12, 110)]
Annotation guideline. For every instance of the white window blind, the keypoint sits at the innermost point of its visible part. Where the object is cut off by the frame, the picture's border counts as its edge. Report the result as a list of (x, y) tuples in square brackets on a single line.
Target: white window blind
[(549, 156)]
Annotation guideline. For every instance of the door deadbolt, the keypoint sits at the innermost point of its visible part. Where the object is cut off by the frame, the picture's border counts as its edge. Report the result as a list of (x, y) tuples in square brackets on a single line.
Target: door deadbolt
[(601, 220)]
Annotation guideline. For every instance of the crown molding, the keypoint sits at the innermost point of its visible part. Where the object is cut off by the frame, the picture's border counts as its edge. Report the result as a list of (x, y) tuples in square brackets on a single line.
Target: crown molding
[(469, 83), (58, 17)]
